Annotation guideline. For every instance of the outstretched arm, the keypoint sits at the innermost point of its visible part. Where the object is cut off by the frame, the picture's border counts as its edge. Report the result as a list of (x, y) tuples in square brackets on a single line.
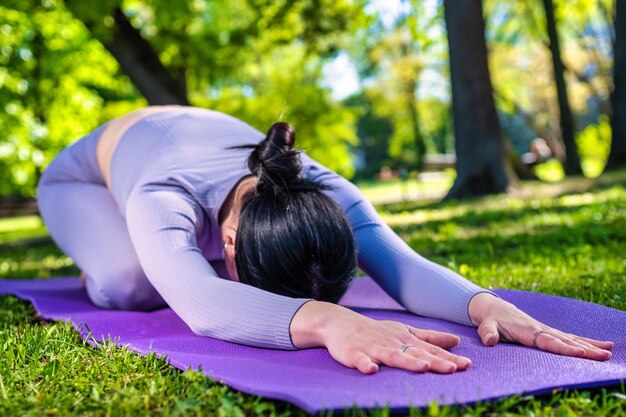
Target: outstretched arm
[(499, 320), (162, 222), (428, 289), (421, 286)]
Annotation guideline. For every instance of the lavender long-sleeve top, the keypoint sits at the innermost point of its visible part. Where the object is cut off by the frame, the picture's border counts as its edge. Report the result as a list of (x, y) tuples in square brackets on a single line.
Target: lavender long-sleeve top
[(170, 174)]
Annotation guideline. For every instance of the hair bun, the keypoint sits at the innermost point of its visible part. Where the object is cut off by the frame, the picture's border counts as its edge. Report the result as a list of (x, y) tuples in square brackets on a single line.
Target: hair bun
[(274, 160), (282, 134)]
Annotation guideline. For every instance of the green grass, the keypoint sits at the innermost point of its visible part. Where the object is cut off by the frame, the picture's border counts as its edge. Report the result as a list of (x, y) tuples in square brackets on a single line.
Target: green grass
[(567, 239), (426, 186)]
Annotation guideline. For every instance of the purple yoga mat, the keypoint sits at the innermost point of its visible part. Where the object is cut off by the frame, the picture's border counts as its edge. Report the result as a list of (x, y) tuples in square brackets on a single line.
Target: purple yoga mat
[(312, 380)]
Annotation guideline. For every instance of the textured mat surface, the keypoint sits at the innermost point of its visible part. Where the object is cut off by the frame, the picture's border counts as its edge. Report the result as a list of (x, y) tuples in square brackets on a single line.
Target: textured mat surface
[(312, 380)]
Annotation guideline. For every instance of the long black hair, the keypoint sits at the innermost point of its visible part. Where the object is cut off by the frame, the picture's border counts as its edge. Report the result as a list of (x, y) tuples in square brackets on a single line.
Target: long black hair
[(292, 239)]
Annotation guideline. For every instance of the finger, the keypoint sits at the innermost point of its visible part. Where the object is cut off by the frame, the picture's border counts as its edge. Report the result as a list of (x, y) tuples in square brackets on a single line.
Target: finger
[(607, 345), (397, 359), (488, 332), (550, 343), (436, 363), (591, 351), (364, 363), (461, 362), (593, 342), (441, 339)]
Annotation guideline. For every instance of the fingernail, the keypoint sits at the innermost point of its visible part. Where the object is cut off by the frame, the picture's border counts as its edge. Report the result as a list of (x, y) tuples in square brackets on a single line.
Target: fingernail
[(466, 362)]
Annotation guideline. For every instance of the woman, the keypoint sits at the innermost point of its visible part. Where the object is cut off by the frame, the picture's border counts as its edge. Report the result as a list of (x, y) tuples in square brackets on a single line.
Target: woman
[(150, 206)]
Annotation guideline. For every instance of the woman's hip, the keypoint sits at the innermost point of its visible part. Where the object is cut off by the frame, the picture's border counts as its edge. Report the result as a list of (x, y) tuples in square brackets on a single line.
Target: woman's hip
[(76, 163)]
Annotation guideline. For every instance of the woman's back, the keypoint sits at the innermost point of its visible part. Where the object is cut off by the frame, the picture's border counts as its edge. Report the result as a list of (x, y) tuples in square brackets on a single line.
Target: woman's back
[(185, 147)]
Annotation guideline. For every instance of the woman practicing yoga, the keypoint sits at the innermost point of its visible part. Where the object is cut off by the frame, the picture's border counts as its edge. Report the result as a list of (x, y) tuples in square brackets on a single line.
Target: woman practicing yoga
[(251, 241)]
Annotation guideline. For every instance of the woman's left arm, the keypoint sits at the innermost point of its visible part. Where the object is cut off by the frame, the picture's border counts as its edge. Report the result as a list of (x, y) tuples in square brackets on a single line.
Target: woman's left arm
[(428, 289), (499, 320), (421, 286)]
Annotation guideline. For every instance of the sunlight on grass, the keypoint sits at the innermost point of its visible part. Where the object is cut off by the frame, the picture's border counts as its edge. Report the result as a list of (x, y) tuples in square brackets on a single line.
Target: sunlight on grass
[(18, 228), (13, 224), (428, 185)]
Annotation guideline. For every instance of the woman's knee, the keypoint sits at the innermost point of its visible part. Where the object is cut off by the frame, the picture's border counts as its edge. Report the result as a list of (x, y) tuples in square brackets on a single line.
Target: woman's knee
[(124, 288)]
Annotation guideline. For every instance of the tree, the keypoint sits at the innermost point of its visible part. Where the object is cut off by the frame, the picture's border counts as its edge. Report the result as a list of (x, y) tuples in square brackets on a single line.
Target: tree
[(374, 133), (55, 80), (478, 140), (166, 45), (392, 56), (617, 155), (572, 161), (108, 23), (257, 59), (522, 70)]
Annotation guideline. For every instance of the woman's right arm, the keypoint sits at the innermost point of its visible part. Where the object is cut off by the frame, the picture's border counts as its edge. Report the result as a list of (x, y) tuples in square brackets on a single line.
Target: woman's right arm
[(162, 221)]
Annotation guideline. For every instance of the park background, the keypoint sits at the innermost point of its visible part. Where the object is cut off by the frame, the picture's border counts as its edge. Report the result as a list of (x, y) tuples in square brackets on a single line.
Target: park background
[(380, 91)]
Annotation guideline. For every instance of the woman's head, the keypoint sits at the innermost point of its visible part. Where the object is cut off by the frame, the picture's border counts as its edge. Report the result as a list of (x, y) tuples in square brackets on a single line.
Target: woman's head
[(291, 238)]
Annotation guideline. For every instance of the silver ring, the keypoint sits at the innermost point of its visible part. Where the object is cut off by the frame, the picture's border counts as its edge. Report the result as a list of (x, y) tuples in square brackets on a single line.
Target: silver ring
[(403, 348), (536, 336)]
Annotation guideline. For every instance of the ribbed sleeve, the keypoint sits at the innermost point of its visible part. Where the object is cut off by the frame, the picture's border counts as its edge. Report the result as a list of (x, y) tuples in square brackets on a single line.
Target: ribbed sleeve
[(421, 286), (162, 222)]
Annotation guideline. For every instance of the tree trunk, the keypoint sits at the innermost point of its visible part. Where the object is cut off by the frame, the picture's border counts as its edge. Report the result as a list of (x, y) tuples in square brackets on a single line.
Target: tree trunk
[(478, 140), (572, 161), (136, 57), (141, 63), (617, 156), (418, 138)]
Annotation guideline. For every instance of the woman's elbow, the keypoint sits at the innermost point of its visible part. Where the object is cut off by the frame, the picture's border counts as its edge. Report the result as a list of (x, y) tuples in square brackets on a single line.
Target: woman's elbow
[(206, 329)]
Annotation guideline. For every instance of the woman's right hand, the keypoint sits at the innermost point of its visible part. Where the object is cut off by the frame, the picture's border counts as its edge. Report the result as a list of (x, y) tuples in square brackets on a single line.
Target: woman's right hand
[(363, 343)]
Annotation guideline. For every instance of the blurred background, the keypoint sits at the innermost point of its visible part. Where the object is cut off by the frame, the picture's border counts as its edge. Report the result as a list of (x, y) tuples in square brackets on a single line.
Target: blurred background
[(473, 97)]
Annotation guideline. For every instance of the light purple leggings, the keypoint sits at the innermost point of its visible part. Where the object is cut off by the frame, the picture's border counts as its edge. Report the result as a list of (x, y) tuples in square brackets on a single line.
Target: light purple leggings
[(85, 222)]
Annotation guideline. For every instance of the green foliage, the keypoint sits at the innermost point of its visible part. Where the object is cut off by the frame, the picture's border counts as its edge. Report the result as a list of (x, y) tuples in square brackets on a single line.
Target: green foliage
[(54, 79), (567, 241), (374, 132), (262, 60), (397, 57), (58, 81), (210, 40), (521, 66), (594, 144), (436, 125)]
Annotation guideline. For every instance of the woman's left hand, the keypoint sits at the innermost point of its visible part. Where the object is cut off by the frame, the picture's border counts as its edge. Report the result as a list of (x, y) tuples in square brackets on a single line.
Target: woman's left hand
[(499, 320)]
